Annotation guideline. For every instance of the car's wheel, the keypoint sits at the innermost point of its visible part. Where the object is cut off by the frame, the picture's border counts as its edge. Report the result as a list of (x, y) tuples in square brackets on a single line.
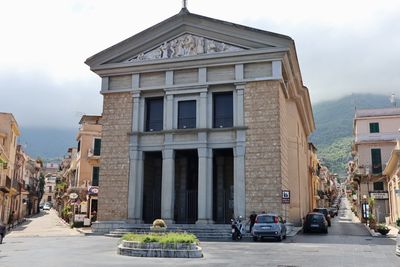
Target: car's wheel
[(279, 238), (255, 239)]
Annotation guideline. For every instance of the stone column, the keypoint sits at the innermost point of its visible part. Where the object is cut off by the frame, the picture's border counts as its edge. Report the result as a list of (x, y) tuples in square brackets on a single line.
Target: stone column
[(204, 215), (239, 121), (135, 186), (168, 186), (203, 110), (239, 186), (169, 112), (136, 111)]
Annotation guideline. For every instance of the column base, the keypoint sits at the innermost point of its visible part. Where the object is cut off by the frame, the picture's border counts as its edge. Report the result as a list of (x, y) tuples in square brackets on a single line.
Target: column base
[(205, 221), (169, 221), (134, 221)]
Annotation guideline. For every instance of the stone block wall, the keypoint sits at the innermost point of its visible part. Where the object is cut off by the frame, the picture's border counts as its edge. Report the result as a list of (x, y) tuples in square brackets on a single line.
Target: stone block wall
[(114, 167), (263, 147)]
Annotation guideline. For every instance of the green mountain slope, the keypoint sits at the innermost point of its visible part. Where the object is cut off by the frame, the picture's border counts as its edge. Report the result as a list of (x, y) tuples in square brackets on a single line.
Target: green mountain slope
[(334, 127)]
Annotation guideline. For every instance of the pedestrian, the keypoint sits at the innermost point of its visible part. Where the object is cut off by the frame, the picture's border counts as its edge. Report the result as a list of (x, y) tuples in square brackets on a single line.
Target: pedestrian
[(252, 219)]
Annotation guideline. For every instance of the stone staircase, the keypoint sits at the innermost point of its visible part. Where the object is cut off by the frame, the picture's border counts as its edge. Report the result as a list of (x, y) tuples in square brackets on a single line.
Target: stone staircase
[(203, 232)]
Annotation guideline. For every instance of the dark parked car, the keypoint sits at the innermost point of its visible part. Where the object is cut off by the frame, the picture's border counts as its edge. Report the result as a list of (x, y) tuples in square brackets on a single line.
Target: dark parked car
[(315, 222), (326, 214), (2, 232), (269, 225)]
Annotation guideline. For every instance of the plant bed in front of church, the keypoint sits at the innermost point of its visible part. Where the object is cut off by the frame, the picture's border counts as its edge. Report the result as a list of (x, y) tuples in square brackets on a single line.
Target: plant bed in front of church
[(167, 245)]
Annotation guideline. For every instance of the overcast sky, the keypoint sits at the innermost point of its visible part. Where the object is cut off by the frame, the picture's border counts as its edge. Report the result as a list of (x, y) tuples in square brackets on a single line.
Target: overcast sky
[(343, 46)]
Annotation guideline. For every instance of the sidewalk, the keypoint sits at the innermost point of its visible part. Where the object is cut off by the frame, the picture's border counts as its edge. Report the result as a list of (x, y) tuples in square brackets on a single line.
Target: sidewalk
[(43, 224)]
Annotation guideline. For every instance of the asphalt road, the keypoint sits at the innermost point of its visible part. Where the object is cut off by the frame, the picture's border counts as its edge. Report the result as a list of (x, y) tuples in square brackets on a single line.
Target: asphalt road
[(347, 244)]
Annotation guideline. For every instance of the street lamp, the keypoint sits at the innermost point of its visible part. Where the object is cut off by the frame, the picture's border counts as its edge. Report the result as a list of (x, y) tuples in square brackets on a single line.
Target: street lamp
[(367, 172)]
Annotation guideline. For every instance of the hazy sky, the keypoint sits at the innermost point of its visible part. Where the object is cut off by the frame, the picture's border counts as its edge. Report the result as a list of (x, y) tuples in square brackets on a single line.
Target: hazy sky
[(344, 47)]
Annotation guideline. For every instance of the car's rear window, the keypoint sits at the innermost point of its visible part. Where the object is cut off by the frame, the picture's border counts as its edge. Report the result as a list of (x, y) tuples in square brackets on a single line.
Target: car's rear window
[(324, 211), (317, 217), (265, 219)]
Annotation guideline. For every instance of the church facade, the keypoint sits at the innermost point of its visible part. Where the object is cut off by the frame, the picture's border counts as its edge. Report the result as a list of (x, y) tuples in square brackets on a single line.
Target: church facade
[(202, 120)]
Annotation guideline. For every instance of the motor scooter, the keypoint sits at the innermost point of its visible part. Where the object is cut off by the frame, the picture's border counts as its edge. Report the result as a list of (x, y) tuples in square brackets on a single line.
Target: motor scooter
[(238, 228)]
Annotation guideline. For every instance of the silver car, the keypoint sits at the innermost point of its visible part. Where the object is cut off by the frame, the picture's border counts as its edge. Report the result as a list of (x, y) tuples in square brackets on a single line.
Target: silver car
[(269, 225)]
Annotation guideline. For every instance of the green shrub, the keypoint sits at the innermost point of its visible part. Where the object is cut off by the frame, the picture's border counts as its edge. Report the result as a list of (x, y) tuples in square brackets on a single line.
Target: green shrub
[(398, 222), (167, 238), (382, 226)]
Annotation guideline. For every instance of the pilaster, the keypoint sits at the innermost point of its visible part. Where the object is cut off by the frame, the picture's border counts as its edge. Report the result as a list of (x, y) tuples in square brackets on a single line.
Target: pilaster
[(168, 186), (204, 187)]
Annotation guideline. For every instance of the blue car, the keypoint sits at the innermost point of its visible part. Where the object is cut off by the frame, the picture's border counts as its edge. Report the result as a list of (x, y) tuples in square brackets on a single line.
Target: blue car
[(269, 225)]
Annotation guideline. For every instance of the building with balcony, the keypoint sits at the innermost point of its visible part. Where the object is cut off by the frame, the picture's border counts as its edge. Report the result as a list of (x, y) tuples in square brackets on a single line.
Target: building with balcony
[(9, 188), (375, 134), (203, 120), (392, 172), (88, 161), (314, 180)]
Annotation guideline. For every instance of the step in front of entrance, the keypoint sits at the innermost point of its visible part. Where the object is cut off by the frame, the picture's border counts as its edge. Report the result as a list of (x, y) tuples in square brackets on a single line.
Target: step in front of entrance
[(206, 232)]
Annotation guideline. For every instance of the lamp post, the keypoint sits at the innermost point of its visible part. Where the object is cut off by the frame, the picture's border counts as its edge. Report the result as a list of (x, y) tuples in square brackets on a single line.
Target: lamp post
[(367, 172)]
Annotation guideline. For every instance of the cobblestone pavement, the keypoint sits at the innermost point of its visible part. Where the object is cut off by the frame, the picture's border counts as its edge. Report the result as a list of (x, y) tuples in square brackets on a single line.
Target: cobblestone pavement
[(44, 224)]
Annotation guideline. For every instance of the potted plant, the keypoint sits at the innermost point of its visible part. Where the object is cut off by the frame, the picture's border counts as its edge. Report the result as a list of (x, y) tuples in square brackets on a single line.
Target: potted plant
[(383, 229), (372, 221), (158, 226)]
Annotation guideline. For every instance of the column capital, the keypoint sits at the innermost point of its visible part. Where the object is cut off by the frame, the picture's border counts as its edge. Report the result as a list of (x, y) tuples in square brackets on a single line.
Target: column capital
[(240, 85), (239, 151), (204, 152), (168, 154), (136, 94)]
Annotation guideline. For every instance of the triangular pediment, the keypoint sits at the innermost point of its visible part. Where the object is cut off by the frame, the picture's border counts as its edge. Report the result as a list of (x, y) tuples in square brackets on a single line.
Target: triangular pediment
[(183, 46), (187, 35)]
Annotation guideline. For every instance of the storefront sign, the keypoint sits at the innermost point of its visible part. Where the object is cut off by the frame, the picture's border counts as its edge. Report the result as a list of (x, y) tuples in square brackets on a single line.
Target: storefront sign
[(73, 196), (379, 195), (285, 196), (93, 190)]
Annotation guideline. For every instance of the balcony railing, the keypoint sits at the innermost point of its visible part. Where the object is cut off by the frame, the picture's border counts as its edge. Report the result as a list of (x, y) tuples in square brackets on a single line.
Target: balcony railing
[(92, 154), (376, 137)]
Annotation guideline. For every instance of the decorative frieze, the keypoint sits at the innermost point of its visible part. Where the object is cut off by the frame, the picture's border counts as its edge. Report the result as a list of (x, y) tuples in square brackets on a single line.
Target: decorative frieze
[(185, 45)]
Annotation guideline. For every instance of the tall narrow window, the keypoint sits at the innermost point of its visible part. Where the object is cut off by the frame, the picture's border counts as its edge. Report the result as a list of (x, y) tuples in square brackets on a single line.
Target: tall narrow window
[(223, 110), (97, 146), (376, 160), (95, 176), (378, 186), (187, 114), (154, 114), (79, 145), (374, 127)]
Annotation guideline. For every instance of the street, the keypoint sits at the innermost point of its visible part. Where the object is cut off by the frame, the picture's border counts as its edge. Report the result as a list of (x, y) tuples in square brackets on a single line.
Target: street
[(347, 244)]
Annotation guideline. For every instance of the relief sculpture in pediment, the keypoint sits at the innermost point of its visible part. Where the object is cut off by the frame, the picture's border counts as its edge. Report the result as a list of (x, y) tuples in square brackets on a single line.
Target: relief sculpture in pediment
[(185, 45)]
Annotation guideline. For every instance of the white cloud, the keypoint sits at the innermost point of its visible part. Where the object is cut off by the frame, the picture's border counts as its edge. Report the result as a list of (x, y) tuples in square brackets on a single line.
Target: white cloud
[(343, 46)]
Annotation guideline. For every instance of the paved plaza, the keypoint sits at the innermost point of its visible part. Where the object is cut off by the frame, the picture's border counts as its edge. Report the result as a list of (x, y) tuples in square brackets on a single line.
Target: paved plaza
[(45, 241)]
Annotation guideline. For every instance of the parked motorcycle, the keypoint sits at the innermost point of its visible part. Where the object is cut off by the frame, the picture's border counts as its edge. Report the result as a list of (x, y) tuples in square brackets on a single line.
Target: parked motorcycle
[(238, 228)]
